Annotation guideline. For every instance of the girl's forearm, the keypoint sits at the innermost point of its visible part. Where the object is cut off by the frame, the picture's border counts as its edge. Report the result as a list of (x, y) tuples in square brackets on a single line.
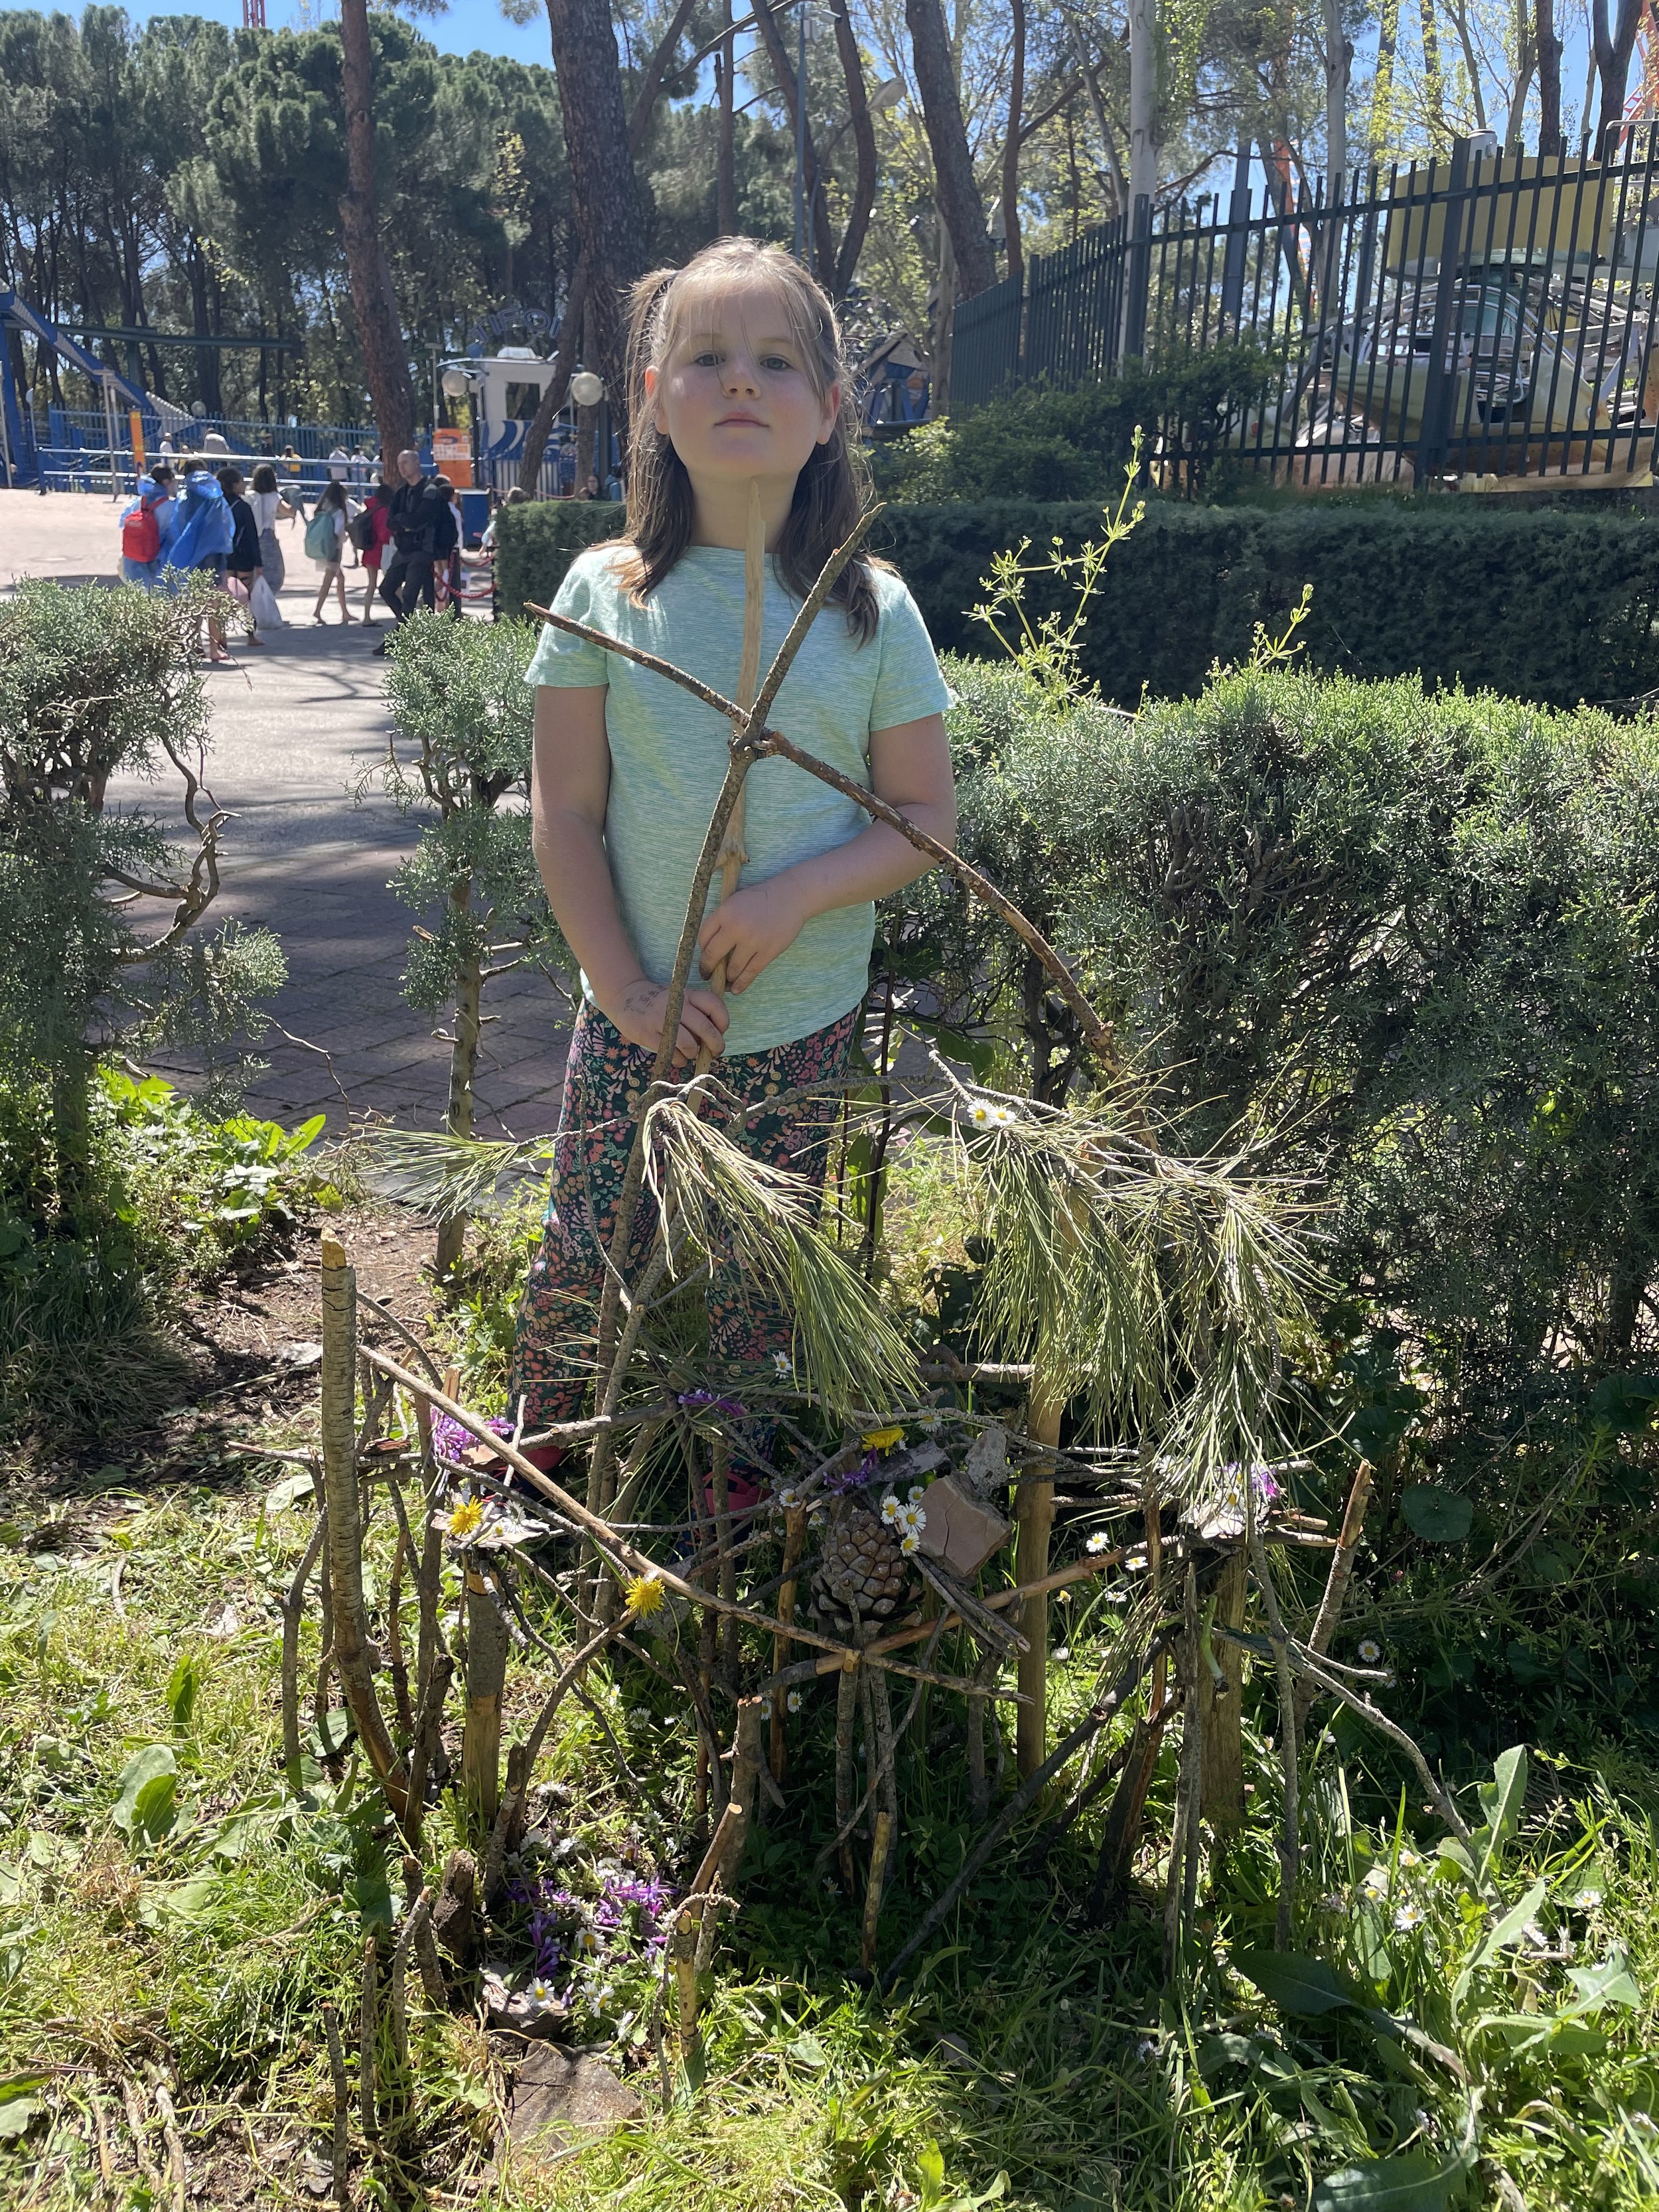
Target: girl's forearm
[(576, 876), (878, 861)]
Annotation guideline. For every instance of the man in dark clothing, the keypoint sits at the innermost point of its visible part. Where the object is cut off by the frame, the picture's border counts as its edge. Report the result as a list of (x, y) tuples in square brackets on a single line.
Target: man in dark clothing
[(407, 576)]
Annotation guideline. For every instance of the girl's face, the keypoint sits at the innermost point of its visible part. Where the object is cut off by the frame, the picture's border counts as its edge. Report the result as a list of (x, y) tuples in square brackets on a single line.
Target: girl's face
[(735, 396)]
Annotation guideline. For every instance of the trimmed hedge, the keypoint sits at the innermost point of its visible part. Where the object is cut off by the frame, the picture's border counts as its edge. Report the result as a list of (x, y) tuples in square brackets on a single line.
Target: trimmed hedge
[(1550, 605)]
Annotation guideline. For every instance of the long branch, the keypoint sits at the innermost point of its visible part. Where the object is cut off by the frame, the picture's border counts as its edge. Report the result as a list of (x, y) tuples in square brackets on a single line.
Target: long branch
[(761, 740)]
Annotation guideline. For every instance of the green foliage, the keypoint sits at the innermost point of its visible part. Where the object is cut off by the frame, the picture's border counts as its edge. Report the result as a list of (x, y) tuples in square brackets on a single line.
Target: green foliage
[(1556, 606), (1038, 444), (1408, 938), (537, 541), (168, 1195), (92, 681)]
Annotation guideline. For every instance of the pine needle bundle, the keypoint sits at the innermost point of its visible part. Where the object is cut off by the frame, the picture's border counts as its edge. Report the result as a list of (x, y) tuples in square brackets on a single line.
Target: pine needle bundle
[(1162, 1292), (444, 1177), (717, 1203)]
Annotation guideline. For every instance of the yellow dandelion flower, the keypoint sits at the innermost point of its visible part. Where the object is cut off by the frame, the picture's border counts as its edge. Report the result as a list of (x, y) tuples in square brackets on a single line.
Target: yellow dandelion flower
[(465, 1520), (883, 1439), (645, 1596)]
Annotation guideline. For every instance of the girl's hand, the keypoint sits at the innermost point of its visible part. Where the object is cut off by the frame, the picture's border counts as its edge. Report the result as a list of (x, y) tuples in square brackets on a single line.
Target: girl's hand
[(637, 1014), (751, 928)]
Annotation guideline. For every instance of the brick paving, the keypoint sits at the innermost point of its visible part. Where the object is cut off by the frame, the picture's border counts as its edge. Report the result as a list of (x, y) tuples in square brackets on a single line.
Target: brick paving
[(293, 727)]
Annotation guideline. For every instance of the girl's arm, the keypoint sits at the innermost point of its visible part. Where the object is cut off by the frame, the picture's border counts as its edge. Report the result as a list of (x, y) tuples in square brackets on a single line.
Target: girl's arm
[(910, 769), (567, 796)]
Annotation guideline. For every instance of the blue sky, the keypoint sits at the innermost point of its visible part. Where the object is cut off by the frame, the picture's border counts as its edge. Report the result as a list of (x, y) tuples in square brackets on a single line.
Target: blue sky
[(466, 27)]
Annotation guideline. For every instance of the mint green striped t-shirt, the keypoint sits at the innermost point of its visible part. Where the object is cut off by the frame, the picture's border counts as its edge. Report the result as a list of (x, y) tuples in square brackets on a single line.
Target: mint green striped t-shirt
[(668, 755)]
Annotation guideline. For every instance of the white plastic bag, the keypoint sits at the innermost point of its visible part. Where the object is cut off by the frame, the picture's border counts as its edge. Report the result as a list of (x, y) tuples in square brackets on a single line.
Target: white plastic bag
[(261, 604)]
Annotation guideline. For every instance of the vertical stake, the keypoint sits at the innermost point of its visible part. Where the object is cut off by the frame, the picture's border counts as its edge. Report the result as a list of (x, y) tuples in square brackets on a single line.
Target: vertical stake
[(1034, 1517), (732, 854)]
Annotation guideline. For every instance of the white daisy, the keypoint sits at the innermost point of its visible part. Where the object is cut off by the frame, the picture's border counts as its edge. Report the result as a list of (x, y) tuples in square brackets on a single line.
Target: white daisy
[(909, 1542), (913, 1518), (1099, 1540), (1370, 1651), (540, 1995), (890, 1508), (1409, 1861), (980, 1114), (1408, 1917), (1587, 1900), (793, 1701), (917, 1492), (1375, 1883), (1002, 1117), (1062, 1654), (781, 1362)]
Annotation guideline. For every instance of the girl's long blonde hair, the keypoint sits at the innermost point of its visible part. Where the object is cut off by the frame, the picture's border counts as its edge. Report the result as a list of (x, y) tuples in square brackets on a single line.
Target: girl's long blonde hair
[(832, 490)]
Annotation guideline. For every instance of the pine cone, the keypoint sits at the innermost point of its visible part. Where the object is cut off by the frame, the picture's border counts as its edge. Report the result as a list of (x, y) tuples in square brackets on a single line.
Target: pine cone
[(860, 1565)]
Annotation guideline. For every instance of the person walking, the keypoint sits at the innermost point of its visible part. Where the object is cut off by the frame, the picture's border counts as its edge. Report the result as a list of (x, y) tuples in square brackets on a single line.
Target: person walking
[(243, 564), (371, 533), (326, 543), (270, 507), (146, 527), (406, 579), (201, 542), (294, 470)]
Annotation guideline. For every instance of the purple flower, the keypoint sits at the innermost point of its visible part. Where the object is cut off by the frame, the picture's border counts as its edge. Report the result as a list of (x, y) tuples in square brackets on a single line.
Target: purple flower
[(708, 1398), (451, 1440)]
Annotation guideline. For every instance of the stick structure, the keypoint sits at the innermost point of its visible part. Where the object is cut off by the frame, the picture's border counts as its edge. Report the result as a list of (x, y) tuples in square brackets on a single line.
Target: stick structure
[(732, 855)]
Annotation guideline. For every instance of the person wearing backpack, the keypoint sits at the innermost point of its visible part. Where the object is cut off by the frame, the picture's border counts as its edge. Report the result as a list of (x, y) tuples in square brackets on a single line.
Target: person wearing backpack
[(146, 527), (268, 508), (324, 543), (371, 533)]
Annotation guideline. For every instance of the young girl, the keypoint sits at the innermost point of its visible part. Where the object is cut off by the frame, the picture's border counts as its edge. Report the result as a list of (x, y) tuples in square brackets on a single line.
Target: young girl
[(325, 543), (737, 378)]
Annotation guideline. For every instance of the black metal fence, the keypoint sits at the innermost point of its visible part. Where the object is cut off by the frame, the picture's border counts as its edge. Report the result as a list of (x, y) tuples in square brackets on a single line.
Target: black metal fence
[(1490, 315)]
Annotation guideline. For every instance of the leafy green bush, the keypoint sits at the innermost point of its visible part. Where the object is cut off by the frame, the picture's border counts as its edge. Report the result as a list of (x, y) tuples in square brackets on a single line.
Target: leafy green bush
[(537, 541), (1555, 606), (1038, 444), (1408, 937), (172, 1195)]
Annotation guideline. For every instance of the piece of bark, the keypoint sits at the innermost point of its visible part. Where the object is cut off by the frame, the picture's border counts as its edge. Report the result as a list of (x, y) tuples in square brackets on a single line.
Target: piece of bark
[(455, 1914)]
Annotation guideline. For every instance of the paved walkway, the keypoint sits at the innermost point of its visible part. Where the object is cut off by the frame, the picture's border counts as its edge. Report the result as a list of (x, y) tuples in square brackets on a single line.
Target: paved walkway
[(293, 725)]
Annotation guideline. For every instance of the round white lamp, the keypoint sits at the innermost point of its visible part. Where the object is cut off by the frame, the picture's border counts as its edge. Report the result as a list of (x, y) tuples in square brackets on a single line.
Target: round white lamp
[(586, 389), (456, 383)]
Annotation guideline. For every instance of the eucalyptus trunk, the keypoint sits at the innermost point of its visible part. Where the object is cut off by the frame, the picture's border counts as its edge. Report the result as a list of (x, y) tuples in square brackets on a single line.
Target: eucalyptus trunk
[(1143, 102), (961, 208), (1011, 143), (374, 301), (1550, 140)]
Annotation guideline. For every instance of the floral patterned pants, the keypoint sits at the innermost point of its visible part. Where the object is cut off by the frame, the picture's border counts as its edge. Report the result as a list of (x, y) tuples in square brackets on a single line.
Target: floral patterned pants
[(606, 1082)]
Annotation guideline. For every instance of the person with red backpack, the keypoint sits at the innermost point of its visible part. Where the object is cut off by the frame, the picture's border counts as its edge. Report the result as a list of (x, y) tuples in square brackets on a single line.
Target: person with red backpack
[(147, 526)]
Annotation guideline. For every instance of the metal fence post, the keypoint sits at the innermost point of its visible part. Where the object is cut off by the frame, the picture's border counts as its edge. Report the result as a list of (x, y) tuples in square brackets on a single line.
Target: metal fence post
[(1436, 440), (1239, 239), (1139, 274)]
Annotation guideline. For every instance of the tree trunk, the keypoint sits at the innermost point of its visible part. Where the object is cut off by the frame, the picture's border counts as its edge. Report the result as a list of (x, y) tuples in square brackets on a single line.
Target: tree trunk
[(1339, 61), (1222, 1791), (374, 303), (1387, 41), (864, 144), (1525, 53), (1434, 83), (1102, 124), (955, 187), (609, 220), (944, 315), (206, 358), (1143, 101), (1011, 143), (1550, 140), (817, 212), (1613, 64), (587, 418), (553, 397), (725, 158)]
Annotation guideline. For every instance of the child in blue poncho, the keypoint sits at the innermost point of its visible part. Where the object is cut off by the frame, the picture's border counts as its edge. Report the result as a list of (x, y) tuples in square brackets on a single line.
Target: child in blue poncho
[(202, 539)]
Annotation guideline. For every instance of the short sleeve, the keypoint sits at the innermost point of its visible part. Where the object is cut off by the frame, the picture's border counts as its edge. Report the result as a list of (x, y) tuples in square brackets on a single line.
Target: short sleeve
[(561, 659), (910, 682)]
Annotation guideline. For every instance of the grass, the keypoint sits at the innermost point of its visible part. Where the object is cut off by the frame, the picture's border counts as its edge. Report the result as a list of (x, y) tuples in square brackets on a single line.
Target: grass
[(1026, 2046)]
